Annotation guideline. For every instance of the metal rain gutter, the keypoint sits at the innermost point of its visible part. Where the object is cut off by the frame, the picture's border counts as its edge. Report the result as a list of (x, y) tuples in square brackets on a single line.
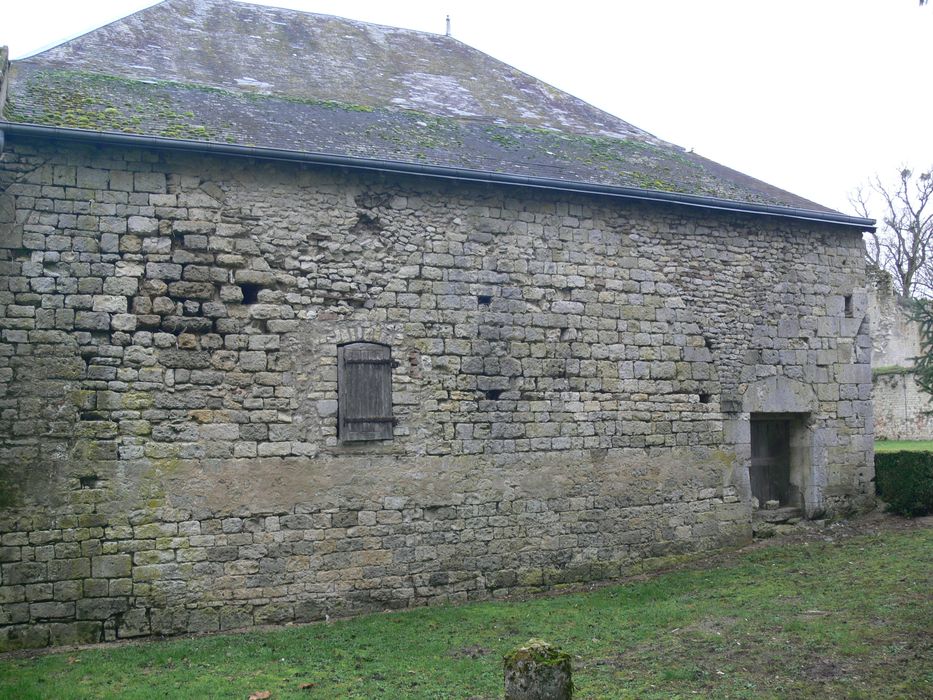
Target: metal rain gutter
[(433, 171)]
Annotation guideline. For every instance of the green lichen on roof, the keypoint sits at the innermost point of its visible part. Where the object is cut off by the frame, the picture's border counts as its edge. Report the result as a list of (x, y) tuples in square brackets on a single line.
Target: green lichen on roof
[(85, 100), (230, 72), (82, 100)]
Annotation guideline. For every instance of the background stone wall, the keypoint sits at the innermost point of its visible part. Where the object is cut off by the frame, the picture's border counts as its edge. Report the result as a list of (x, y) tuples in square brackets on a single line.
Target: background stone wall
[(895, 336), (168, 450), (902, 410)]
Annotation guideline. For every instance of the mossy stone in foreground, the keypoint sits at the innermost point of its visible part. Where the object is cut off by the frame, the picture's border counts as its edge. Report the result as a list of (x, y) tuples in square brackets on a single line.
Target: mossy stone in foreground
[(538, 671)]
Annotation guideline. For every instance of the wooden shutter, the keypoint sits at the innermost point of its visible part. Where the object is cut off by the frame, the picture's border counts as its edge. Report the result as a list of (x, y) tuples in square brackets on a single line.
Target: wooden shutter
[(364, 392)]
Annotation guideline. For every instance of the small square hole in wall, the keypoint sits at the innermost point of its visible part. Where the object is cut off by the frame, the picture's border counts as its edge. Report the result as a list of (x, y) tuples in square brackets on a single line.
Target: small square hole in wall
[(493, 394), (250, 293), (92, 481), (484, 299), (847, 305), (704, 398)]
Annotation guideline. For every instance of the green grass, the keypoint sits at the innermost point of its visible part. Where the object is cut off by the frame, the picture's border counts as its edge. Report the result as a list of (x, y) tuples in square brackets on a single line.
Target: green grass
[(846, 618), (904, 446)]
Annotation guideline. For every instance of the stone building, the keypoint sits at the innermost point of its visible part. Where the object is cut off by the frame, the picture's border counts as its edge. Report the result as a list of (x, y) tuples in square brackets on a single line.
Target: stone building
[(903, 411), (305, 316)]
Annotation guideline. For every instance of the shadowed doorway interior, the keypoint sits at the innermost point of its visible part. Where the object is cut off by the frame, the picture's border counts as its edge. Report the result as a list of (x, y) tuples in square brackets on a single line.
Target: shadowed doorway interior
[(771, 460)]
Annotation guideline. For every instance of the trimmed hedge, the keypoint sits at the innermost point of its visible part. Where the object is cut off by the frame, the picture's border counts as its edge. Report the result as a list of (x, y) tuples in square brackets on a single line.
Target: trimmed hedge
[(904, 480)]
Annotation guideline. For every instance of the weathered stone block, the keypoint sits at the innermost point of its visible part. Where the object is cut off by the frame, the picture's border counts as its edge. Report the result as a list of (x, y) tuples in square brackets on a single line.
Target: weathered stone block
[(236, 617), (110, 304), (186, 324), (259, 277), (274, 613), (252, 361), (191, 290), (204, 620), (155, 530), (7, 208), (185, 359), (64, 569), (149, 182), (101, 608), (24, 572), (264, 342), (112, 566), (92, 321), (51, 610), (23, 637), (308, 611), (163, 271), (14, 613), (231, 293), (85, 632)]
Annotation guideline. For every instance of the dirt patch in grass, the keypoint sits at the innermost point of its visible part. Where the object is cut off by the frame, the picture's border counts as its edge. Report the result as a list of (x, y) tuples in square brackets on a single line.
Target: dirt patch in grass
[(826, 670), (471, 652), (712, 626)]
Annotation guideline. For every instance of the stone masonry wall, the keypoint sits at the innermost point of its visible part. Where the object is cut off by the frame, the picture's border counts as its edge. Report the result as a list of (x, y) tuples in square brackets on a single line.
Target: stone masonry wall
[(902, 410), (568, 376), (895, 336)]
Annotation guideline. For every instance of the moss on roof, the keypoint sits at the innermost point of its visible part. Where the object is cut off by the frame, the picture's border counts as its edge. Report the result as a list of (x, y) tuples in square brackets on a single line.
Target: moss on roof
[(208, 70)]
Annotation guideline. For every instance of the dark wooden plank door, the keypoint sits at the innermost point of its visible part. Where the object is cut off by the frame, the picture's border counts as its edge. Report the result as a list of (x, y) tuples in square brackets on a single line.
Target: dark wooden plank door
[(770, 470), (364, 392)]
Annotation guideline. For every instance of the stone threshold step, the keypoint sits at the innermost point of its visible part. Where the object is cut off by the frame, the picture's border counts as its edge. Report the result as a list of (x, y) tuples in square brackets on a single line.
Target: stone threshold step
[(778, 515)]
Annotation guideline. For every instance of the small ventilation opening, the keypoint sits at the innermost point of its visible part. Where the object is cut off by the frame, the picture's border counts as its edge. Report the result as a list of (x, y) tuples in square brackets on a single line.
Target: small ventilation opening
[(847, 305), (704, 398), (493, 394), (250, 293), (484, 299), (91, 481)]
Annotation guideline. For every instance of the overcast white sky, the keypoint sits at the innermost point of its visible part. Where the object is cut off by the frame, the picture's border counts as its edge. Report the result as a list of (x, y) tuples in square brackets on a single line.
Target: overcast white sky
[(810, 95)]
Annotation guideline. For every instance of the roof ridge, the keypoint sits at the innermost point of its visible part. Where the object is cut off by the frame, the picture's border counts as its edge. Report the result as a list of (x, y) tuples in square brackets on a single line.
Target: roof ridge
[(423, 70), (326, 14)]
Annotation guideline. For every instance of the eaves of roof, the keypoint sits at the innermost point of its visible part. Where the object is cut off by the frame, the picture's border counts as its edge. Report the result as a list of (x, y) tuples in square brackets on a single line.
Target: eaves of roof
[(433, 171)]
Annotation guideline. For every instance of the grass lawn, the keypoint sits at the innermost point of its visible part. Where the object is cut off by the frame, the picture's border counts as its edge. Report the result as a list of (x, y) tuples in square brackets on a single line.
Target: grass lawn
[(830, 615), (904, 445)]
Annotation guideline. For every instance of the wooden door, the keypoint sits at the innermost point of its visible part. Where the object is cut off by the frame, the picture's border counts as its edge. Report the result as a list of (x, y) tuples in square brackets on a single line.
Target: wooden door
[(364, 392), (770, 470)]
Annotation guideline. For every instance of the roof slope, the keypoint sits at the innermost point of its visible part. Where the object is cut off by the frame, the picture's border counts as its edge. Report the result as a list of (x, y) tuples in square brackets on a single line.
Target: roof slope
[(230, 72)]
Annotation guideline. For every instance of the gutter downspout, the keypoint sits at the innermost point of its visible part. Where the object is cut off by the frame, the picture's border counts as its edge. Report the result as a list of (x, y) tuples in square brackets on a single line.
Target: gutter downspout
[(433, 171)]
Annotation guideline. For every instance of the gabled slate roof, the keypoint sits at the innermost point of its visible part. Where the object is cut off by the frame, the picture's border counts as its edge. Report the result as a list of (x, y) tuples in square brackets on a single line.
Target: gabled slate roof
[(246, 75)]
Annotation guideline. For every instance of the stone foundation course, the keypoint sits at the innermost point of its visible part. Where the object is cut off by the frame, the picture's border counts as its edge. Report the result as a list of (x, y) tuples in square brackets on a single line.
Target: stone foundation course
[(95, 580)]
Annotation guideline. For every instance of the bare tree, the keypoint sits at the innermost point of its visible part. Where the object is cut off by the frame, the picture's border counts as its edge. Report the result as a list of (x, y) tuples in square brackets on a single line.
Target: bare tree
[(903, 243), (924, 315)]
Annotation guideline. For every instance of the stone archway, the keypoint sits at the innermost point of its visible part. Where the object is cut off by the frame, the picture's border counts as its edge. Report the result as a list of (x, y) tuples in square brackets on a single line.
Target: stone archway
[(791, 405)]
